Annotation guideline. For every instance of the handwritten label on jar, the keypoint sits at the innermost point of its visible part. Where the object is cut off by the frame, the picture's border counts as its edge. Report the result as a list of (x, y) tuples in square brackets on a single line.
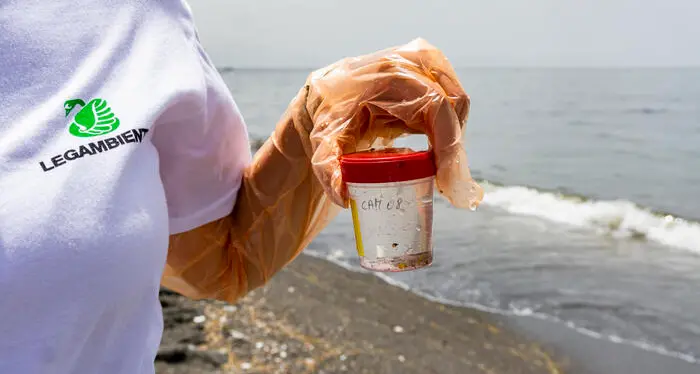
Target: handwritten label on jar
[(377, 204)]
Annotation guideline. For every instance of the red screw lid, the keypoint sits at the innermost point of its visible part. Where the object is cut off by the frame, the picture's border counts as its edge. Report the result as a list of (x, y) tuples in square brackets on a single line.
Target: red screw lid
[(387, 165)]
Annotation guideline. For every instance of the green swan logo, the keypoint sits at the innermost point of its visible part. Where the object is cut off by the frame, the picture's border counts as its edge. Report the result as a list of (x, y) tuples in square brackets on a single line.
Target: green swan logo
[(94, 119)]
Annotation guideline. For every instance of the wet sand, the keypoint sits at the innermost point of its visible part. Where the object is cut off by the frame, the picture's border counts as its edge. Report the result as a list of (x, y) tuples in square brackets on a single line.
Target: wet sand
[(596, 356)]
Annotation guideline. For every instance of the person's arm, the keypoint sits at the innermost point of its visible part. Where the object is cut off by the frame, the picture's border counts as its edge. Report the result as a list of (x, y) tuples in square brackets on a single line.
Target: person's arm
[(293, 186), (280, 207)]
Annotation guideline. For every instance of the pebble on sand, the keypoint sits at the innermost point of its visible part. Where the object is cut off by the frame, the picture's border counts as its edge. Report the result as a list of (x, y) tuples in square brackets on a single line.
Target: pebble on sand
[(237, 335)]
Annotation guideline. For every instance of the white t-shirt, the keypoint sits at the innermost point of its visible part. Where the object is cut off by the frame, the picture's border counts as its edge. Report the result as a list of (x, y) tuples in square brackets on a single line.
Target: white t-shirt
[(115, 131)]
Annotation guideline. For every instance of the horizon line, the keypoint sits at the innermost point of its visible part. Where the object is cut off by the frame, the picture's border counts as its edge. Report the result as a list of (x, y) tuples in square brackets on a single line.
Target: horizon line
[(279, 68)]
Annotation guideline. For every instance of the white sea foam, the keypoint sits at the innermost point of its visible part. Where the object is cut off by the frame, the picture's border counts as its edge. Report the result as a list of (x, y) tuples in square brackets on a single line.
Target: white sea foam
[(616, 217), (337, 257)]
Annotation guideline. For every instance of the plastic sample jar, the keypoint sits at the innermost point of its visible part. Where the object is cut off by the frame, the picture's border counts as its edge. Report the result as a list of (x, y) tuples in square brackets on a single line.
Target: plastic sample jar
[(391, 199)]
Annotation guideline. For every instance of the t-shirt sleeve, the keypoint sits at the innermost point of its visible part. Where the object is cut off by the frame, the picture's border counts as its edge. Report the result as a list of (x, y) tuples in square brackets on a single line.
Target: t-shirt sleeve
[(203, 148)]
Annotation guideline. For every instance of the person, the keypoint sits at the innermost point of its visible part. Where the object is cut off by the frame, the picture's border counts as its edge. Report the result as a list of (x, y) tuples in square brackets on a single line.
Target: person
[(125, 166)]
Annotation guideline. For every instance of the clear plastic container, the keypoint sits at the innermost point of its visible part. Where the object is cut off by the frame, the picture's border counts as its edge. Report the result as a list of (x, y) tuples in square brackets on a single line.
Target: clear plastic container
[(391, 200)]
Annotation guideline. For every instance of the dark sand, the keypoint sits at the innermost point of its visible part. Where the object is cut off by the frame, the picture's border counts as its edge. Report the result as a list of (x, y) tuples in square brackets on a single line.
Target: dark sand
[(315, 317)]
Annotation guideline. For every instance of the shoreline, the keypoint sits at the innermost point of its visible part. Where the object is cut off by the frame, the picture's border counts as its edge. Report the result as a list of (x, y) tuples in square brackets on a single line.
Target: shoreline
[(535, 325), (317, 317)]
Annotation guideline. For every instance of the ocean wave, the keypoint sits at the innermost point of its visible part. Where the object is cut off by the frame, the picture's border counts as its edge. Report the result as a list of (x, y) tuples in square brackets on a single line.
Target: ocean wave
[(620, 218)]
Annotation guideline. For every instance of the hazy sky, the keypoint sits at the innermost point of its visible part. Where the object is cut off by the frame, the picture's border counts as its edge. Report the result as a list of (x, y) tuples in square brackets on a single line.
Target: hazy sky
[(311, 33)]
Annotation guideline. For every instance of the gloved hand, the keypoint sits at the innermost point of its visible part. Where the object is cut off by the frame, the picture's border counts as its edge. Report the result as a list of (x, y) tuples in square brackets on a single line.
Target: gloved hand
[(376, 98), (287, 193)]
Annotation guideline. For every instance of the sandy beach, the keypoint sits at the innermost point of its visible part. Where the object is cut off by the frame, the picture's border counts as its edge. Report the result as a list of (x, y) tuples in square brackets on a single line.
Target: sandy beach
[(314, 317)]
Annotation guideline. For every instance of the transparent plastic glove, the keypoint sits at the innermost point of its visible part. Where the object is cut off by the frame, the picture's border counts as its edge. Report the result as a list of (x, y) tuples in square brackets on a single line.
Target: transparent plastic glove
[(288, 193), (374, 99)]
